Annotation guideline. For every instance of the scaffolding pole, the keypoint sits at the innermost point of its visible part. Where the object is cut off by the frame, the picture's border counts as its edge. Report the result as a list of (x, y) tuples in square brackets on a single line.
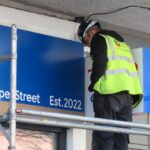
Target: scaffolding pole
[(61, 120), (13, 77), (83, 119), (60, 123)]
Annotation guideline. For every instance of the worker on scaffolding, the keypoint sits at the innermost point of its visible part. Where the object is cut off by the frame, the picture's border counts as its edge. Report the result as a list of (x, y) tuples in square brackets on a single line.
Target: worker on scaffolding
[(114, 81)]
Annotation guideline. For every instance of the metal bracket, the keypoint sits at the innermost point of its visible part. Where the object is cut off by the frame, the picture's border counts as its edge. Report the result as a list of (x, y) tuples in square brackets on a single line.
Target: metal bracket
[(5, 57), (5, 132), (5, 118), (11, 148)]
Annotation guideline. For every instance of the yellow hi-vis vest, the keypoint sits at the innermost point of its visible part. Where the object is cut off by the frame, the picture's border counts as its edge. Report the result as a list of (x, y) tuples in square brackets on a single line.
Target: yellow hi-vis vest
[(121, 73)]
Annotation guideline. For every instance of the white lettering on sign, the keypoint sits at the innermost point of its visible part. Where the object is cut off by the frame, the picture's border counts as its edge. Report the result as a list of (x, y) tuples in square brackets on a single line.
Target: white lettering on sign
[(20, 96), (65, 103)]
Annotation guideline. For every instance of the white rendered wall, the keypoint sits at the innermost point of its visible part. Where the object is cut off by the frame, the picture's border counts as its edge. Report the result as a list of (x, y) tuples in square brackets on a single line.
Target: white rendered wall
[(76, 139), (38, 23)]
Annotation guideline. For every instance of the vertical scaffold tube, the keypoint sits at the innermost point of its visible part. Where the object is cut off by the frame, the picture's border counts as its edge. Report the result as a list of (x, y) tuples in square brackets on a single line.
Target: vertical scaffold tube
[(13, 77)]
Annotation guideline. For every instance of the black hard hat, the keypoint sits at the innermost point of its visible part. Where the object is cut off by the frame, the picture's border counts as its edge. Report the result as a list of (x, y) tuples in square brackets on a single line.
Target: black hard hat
[(85, 26)]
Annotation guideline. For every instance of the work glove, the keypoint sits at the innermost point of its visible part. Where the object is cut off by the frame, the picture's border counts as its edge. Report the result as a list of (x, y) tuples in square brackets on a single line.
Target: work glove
[(92, 97)]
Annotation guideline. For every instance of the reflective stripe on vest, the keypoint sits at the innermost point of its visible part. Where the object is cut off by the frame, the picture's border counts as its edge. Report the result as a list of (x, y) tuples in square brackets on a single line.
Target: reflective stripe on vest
[(121, 58), (119, 71), (111, 47)]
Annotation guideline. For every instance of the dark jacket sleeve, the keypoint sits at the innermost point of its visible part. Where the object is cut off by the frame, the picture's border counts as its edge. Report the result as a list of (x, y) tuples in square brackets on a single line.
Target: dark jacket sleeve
[(99, 57)]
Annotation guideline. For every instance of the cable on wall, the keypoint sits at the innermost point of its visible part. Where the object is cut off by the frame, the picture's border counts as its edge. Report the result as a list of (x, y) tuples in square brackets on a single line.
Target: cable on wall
[(116, 10)]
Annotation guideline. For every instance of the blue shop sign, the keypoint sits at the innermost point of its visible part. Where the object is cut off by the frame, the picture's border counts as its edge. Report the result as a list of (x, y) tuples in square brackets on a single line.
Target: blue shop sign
[(50, 71)]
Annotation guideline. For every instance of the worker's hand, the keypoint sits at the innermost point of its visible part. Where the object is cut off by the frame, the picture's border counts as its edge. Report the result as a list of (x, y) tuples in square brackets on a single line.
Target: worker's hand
[(90, 88), (92, 97)]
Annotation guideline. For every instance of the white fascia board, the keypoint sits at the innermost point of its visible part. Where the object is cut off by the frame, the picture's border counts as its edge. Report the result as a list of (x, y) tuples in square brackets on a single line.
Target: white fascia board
[(38, 23)]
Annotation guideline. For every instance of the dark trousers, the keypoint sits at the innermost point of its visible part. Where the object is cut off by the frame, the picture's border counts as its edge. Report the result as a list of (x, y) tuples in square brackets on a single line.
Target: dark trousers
[(117, 107)]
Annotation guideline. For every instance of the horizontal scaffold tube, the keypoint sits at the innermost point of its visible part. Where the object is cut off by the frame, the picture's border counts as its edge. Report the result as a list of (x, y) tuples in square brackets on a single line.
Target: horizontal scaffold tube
[(83, 119), (64, 124)]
